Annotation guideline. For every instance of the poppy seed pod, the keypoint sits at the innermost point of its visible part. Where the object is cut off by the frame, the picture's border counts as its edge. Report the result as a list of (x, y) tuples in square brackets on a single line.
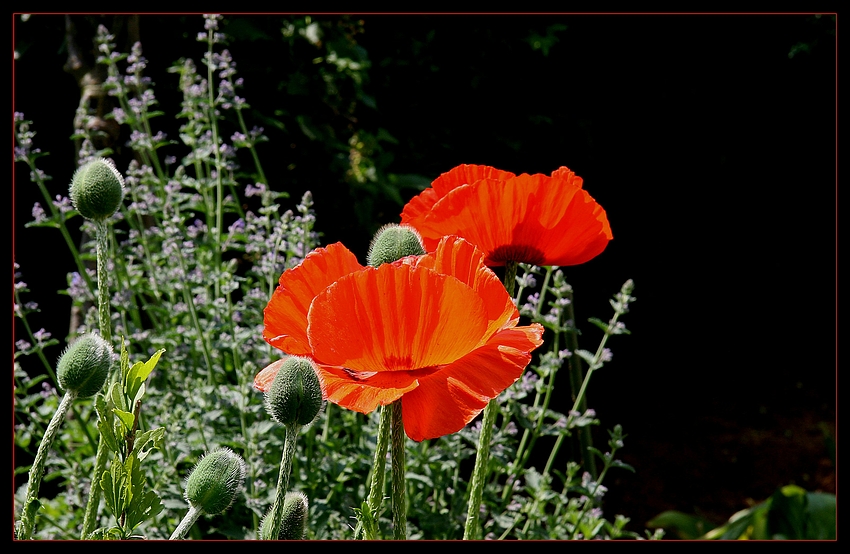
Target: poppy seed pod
[(97, 189), (84, 366), (394, 242), (215, 481), (295, 396), (293, 524)]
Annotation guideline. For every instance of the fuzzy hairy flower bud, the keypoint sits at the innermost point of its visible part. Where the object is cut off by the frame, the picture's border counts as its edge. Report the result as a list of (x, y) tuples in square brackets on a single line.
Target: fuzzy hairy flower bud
[(295, 395), (97, 189), (394, 242), (215, 481), (293, 525), (84, 366)]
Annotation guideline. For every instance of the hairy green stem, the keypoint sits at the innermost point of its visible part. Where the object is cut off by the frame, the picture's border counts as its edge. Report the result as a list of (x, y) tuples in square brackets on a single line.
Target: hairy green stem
[(90, 518), (398, 480), (283, 480), (482, 458), (376, 487), (186, 523), (102, 238), (31, 504)]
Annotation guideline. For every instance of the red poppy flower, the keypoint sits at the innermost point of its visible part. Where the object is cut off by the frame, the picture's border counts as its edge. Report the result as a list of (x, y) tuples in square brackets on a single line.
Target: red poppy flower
[(536, 219), (438, 331)]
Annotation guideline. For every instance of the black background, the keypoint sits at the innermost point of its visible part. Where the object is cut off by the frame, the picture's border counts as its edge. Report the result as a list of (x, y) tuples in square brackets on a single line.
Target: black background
[(713, 152)]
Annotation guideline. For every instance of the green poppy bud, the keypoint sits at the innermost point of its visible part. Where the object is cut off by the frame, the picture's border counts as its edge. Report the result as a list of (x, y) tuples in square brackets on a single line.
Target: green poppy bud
[(215, 481), (293, 525), (97, 189), (295, 396), (84, 366), (394, 242)]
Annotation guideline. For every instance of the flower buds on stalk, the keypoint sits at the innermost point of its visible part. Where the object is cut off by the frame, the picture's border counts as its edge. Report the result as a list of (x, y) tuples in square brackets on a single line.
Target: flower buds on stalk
[(394, 242), (97, 189), (216, 480), (84, 366), (295, 396), (294, 522)]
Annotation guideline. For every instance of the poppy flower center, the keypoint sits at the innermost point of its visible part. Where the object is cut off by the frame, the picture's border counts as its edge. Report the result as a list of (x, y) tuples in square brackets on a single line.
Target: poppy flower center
[(517, 253)]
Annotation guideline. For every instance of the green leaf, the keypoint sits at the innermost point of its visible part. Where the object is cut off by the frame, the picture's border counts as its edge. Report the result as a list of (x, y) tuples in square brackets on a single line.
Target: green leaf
[(148, 441), (104, 423), (126, 419), (820, 516), (117, 397), (599, 323), (367, 519), (137, 375), (587, 357), (113, 484)]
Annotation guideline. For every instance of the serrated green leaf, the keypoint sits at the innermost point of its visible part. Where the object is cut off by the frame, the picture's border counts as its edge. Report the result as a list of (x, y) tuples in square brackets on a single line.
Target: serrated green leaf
[(586, 356), (599, 323), (148, 441), (113, 484)]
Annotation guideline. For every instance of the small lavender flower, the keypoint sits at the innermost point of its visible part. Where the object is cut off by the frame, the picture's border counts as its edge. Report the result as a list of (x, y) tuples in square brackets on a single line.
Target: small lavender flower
[(38, 213)]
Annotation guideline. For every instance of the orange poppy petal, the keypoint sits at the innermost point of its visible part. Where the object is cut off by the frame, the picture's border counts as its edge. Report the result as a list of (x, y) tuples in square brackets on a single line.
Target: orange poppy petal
[(285, 316), (364, 392), (530, 218), (395, 318), (447, 400), (461, 259), (263, 379), (417, 208), (467, 174)]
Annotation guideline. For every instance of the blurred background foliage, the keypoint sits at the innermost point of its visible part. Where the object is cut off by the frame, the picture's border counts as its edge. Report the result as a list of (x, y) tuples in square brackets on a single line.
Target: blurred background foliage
[(709, 140)]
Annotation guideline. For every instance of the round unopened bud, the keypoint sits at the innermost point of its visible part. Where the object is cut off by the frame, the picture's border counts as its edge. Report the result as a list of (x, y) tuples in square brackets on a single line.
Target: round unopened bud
[(295, 396), (293, 524), (215, 481), (97, 189), (84, 366), (394, 242)]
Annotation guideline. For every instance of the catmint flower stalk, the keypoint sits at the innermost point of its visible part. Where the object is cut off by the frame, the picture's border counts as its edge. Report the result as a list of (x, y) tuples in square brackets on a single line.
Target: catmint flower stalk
[(482, 457), (621, 306)]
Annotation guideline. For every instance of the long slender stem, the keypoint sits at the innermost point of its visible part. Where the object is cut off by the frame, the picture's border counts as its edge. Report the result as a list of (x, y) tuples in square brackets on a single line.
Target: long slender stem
[(376, 488), (283, 480), (576, 378), (31, 504), (482, 458), (398, 480), (186, 523), (101, 237)]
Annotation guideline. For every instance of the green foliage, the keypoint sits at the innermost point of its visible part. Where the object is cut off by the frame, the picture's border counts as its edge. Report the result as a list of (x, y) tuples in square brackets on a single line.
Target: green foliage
[(791, 513)]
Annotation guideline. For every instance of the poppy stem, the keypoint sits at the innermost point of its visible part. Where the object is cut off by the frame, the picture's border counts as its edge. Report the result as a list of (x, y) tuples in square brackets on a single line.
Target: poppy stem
[(398, 483), (31, 504), (105, 322), (482, 457), (376, 488), (283, 479)]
